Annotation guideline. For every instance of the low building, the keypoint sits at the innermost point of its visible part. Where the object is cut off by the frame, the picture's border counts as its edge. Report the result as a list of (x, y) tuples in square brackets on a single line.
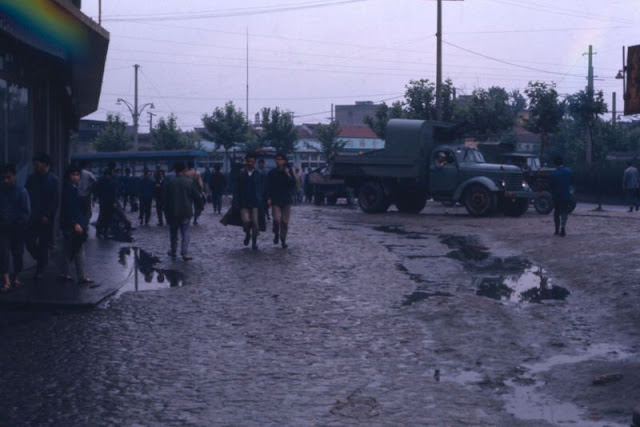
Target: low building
[(52, 59)]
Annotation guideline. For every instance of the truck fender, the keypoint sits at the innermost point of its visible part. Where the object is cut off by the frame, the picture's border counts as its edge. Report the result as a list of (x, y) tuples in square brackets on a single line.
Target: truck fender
[(483, 180)]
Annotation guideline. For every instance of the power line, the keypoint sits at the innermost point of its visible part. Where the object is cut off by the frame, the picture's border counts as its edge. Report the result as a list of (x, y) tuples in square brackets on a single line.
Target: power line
[(230, 12)]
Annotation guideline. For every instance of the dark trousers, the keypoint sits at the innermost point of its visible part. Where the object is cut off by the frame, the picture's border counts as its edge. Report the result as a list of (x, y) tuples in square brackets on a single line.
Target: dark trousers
[(105, 219), (11, 245), (560, 213), (38, 237), (145, 210), (160, 211)]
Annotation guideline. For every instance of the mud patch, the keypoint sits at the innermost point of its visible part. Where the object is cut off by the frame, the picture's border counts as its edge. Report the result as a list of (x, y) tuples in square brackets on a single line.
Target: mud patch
[(144, 275), (399, 230), (465, 248)]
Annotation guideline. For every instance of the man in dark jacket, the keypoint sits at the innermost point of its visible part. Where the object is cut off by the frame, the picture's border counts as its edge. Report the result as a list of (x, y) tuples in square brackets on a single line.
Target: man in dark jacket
[(14, 214), (217, 183), (158, 196), (42, 186), (180, 195), (73, 224), (248, 197), (561, 182), (280, 185), (145, 194), (106, 191)]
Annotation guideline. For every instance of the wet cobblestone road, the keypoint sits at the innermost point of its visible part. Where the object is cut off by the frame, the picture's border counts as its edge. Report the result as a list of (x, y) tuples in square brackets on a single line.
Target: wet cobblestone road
[(333, 330)]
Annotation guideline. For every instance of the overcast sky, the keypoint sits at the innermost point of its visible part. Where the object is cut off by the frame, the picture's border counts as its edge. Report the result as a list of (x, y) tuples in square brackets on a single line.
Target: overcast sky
[(305, 55)]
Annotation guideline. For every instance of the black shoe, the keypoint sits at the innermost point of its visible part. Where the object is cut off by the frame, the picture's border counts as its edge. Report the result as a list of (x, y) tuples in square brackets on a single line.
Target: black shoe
[(247, 237), (254, 246), (556, 232), (171, 254), (284, 245), (276, 239), (562, 232), (186, 258)]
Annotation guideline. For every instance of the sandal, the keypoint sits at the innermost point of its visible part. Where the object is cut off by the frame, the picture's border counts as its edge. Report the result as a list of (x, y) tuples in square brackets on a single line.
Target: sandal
[(85, 281)]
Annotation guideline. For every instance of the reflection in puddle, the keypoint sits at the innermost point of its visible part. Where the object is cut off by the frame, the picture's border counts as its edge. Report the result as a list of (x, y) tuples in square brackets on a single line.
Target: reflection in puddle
[(146, 276), (532, 285)]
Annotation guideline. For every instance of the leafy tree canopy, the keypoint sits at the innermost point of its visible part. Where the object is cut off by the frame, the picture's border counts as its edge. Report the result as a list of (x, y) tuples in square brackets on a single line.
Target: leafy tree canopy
[(278, 130), (113, 136), (226, 126), (328, 137), (167, 136)]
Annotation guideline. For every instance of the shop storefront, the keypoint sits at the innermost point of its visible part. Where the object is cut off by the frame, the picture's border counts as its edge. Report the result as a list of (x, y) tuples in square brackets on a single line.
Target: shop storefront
[(51, 66)]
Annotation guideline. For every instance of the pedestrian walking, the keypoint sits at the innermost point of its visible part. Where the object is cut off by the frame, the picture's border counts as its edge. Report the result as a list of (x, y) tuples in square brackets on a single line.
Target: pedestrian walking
[(193, 173), (263, 171), (249, 198), (85, 188), (106, 191), (145, 195), (217, 184), (14, 214), (281, 183), (561, 182), (42, 186), (73, 224), (182, 196), (630, 185), (158, 195)]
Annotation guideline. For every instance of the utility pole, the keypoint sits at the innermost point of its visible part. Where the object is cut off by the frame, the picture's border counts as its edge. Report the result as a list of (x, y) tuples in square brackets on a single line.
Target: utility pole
[(589, 139), (439, 61), (613, 108), (247, 100), (150, 120), (135, 112)]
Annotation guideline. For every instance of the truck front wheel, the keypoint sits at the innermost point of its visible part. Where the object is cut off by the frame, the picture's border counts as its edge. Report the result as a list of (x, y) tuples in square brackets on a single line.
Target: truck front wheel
[(479, 201), (371, 198)]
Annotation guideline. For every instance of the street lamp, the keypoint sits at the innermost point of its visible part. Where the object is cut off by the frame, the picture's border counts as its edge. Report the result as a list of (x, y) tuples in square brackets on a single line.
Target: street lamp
[(135, 114)]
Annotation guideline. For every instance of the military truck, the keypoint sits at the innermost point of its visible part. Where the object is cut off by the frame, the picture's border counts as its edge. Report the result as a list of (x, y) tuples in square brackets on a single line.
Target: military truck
[(421, 160)]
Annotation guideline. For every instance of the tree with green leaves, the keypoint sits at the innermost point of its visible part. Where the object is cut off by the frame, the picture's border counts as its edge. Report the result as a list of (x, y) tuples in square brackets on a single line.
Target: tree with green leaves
[(545, 111), (584, 107), (168, 136), (486, 113), (226, 127), (113, 136), (278, 130), (328, 135)]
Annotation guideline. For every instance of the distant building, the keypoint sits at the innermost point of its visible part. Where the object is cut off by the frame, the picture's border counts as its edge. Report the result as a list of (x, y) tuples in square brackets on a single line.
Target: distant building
[(354, 115), (51, 70)]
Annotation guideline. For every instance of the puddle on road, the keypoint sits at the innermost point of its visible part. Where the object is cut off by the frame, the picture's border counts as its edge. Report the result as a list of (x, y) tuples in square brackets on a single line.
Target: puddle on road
[(398, 229), (418, 296), (532, 285), (506, 279), (146, 276)]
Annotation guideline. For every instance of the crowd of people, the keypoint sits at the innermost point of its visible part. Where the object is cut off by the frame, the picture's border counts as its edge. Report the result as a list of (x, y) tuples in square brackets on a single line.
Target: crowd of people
[(28, 214)]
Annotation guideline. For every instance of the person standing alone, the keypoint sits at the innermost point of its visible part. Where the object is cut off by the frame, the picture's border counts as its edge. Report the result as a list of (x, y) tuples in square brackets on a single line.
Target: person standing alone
[(180, 194), (630, 185), (42, 186), (281, 183), (561, 182)]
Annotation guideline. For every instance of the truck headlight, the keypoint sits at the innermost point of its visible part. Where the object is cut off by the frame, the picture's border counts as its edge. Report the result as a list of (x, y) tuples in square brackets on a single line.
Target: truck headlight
[(525, 186)]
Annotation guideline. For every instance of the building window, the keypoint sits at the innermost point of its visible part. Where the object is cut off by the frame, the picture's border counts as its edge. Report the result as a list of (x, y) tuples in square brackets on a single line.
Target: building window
[(15, 143)]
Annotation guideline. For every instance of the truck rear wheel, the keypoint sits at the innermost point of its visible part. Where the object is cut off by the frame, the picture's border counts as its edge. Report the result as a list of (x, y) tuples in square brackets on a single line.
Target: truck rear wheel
[(411, 202), (479, 201), (515, 207), (543, 203), (371, 198)]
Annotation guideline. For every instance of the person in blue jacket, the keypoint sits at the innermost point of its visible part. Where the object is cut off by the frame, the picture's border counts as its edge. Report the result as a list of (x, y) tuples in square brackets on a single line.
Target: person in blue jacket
[(42, 186), (14, 214), (73, 224), (561, 182)]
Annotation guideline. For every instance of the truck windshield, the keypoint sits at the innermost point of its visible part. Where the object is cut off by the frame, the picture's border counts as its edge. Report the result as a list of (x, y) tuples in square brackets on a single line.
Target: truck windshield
[(467, 154)]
